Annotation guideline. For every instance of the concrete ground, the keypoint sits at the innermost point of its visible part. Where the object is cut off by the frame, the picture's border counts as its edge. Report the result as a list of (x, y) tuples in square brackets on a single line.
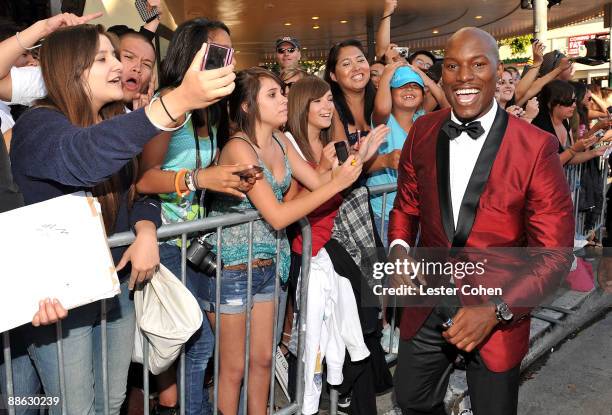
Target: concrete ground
[(576, 379)]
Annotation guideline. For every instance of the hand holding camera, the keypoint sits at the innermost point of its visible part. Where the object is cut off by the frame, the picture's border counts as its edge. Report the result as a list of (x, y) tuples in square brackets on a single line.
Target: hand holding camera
[(199, 88), (346, 174), (537, 49)]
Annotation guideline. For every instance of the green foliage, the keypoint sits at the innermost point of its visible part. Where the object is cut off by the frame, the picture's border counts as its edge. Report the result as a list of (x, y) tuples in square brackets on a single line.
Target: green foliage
[(518, 45), (311, 66)]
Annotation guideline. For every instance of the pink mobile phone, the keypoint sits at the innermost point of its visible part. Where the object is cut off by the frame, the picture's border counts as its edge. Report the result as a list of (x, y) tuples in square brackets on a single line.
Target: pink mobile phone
[(217, 56)]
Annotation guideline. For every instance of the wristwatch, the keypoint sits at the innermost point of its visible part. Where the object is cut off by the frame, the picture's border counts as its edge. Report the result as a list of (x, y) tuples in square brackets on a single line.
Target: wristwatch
[(502, 311)]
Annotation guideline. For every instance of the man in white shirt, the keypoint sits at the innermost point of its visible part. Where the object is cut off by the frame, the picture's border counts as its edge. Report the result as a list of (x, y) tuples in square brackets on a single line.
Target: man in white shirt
[(475, 177)]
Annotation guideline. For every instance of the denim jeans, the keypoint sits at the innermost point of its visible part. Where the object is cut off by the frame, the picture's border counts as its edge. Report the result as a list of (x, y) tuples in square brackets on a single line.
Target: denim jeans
[(82, 353), (234, 289), (25, 379), (200, 347)]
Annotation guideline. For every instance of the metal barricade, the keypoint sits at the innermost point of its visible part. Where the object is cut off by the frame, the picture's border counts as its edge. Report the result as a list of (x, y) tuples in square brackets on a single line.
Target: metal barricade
[(575, 178), (184, 230), (573, 174)]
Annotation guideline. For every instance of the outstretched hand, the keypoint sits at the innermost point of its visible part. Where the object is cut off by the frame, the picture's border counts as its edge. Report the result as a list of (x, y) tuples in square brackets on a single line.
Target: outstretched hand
[(368, 146), (68, 19)]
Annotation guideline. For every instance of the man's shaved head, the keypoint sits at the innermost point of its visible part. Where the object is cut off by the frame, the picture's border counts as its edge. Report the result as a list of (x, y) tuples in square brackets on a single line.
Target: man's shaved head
[(465, 33), (470, 72)]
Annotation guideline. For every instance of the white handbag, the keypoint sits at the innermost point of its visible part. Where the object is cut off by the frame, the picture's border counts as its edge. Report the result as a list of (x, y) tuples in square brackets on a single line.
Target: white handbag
[(167, 315)]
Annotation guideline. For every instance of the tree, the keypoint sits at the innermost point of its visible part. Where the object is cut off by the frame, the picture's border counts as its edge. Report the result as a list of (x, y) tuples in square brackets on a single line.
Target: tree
[(518, 45)]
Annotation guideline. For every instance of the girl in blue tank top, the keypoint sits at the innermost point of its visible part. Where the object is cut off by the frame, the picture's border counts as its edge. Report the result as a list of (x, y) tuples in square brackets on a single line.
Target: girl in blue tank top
[(257, 109)]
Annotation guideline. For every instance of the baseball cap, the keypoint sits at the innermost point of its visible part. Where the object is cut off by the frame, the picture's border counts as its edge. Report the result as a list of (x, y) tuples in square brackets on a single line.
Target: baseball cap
[(405, 75), (288, 39)]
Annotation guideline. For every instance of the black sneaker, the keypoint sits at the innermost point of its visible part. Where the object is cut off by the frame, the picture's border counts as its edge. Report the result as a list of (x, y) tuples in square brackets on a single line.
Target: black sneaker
[(165, 410), (344, 405)]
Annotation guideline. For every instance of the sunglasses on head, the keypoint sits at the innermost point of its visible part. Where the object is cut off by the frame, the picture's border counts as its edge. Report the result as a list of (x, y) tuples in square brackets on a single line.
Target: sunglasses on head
[(281, 51)]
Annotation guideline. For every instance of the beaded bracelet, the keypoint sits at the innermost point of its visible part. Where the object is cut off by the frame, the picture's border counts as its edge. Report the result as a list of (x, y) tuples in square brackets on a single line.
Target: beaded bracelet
[(189, 182), (195, 178)]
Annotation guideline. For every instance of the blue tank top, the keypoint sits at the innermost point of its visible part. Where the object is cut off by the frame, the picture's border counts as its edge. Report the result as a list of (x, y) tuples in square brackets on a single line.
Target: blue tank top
[(181, 154), (234, 239)]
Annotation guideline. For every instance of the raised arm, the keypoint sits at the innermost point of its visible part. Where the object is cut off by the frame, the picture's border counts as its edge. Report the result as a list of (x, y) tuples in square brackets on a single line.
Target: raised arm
[(153, 24), (383, 101), (11, 48), (538, 84), (383, 35), (278, 214), (537, 50), (84, 156), (435, 96)]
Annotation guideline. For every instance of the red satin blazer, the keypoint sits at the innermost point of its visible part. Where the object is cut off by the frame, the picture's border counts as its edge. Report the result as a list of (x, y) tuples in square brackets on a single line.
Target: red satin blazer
[(525, 202)]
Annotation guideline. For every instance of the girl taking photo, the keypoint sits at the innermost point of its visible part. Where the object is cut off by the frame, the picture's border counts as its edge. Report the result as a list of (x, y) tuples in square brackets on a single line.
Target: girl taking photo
[(78, 138), (258, 108)]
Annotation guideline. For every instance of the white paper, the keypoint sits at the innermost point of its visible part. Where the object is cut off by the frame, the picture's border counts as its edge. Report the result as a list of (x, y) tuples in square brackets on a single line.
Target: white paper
[(53, 249)]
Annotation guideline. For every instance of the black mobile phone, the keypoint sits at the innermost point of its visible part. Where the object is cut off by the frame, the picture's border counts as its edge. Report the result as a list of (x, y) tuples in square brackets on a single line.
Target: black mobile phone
[(342, 152), (217, 56), (599, 134), (610, 109), (533, 40), (249, 172), (146, 13)]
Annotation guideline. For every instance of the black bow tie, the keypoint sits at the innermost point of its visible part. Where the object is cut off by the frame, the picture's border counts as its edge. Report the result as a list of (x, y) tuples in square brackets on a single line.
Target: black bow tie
[(454, 130)]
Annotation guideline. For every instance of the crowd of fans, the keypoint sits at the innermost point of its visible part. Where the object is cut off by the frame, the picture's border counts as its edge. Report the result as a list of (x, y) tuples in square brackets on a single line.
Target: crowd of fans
[(174, 149)]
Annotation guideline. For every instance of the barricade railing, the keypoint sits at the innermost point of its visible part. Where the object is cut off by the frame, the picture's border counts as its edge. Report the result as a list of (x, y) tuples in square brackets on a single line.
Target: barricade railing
[(185, 230)]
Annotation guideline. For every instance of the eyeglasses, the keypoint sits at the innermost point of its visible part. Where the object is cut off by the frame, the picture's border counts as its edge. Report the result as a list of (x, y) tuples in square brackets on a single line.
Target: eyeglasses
[(281, 51), (422, 64), (567, 103)]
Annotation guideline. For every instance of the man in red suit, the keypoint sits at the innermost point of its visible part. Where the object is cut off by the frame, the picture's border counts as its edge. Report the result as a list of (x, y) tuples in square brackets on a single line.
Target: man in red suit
[(473, 177)]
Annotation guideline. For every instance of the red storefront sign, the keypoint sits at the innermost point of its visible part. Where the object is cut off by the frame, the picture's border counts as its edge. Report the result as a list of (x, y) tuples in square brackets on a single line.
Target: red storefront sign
[(575, 42)]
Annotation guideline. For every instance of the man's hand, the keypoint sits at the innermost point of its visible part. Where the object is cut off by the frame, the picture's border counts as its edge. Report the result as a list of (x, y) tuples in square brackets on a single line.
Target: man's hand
[(471, 325), (604, 275)]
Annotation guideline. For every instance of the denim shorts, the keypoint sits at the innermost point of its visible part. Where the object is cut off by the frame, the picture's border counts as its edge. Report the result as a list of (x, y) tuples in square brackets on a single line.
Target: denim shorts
[(234, 289)]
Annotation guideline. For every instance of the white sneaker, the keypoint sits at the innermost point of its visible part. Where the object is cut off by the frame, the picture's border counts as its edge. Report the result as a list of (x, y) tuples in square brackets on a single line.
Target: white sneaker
[(396, 339), (384, 340)]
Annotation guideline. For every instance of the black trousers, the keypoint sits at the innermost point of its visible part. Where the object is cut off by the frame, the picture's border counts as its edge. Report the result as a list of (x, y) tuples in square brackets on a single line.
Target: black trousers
[(425, 363)]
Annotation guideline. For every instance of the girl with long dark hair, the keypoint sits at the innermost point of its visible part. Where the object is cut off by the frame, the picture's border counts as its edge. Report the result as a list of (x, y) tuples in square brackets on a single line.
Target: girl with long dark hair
[(191, 150), (78, 138)]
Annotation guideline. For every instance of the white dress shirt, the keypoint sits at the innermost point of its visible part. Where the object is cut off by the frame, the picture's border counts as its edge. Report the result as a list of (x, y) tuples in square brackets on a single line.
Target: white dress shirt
[(463, 153)]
